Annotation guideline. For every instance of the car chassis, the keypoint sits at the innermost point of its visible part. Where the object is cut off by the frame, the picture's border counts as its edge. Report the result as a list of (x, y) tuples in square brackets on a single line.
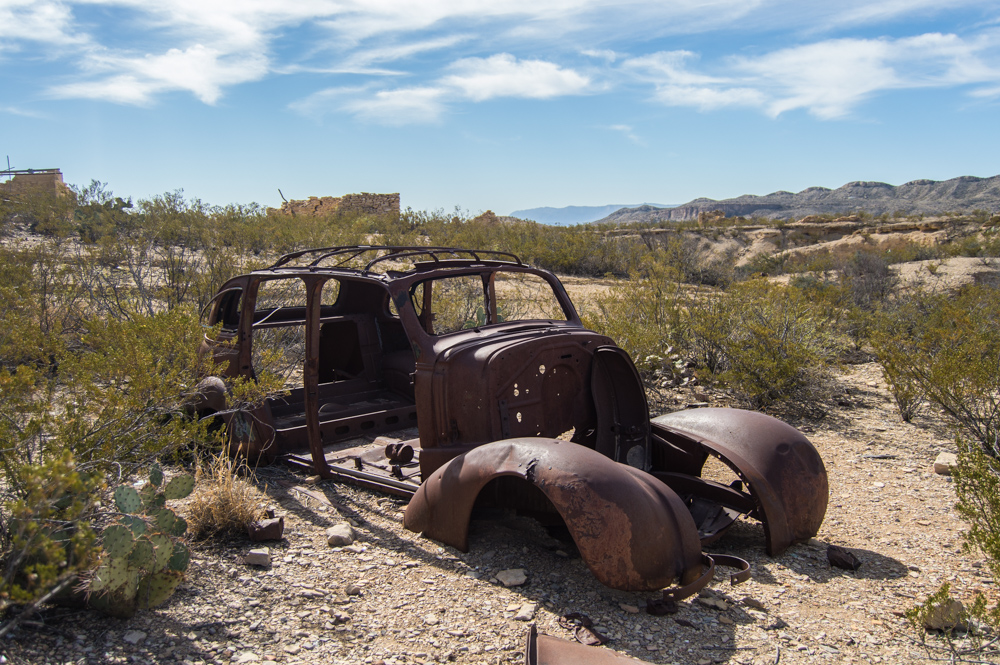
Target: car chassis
[(516, 405)]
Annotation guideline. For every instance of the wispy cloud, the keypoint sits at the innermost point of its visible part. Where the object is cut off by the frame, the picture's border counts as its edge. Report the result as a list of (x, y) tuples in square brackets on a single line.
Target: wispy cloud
[(503, 75), (629, 133), (828, 78)]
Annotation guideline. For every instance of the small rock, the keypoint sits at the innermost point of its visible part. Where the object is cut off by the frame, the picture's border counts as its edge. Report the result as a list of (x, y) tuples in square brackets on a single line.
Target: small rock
[(527, 612), (512, 577), (945, 463), (631, 609), (353, 590), (431, 620), (946, 616), (292, 649), (247, 657), (260, 557), (340, 535), (754, 603), (726, 620), (134, 636)]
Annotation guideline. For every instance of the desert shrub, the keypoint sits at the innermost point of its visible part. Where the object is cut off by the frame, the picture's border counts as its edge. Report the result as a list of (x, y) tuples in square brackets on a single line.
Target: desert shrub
[(868, 278), (644, 315), (224, 503), (46, 534), (947, 345), (766, 341)]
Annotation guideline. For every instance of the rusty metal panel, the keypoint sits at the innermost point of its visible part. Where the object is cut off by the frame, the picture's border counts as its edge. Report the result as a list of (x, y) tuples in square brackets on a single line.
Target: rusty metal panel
[(783, 471), (633, 532), (548, 650)]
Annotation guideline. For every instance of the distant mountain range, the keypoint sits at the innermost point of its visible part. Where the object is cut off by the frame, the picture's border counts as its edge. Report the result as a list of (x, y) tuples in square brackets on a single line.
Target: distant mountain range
[(928, 197), (575, 214)]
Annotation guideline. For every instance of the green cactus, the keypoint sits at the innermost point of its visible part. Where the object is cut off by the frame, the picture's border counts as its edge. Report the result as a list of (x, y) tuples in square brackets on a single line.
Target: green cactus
[(136, 524), (156, 475), (164, 519), (179, 487), (117, 540), (151, 499), (144, 559), (143, 554), (164, 550), (179, 559), (155, 589), (128, 500), (179, 527)]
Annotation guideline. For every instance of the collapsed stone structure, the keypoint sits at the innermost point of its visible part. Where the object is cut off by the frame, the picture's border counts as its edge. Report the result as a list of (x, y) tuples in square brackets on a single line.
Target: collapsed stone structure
[(49, 181), (363, 203)]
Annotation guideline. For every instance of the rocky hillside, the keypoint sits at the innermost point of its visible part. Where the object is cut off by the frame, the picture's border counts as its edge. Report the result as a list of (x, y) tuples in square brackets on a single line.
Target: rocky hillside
[(926, 197)]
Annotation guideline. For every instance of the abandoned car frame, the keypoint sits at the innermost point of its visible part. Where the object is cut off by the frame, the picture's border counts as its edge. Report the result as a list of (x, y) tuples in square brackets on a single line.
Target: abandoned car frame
[(515, 403)]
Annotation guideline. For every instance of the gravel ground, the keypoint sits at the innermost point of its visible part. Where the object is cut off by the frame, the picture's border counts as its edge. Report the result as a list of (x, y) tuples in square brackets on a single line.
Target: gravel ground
[(395, 597)]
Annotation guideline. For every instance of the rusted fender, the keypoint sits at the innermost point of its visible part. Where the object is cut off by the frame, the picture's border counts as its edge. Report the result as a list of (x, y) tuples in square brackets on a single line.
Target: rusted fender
[(633, 532), (782, 469), (548, 650)]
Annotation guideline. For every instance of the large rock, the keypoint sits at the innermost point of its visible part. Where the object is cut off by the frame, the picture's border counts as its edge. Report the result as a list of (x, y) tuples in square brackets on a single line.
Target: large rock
[(945, 463), (512, 577), (340, 535)]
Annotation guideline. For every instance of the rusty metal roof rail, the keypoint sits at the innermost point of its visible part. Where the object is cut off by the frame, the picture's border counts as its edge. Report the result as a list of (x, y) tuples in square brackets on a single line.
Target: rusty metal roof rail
[(390, 253)]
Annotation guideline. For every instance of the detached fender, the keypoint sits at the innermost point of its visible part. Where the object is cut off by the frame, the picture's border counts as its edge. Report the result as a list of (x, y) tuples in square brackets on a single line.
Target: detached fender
[(781, 468), (633, 532)]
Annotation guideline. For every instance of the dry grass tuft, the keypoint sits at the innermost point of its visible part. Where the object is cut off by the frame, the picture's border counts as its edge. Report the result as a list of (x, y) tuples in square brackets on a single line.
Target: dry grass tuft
[(223, 502)]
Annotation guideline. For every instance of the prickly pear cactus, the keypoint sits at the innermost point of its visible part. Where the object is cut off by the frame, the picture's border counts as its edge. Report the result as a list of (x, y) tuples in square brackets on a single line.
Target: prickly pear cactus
[(144, 559)]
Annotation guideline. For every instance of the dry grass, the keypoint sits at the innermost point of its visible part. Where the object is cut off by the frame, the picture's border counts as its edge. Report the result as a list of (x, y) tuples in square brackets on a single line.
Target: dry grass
[(223, 502)]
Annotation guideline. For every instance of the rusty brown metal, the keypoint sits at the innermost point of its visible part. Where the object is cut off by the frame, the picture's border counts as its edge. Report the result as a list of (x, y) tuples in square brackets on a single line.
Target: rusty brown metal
[(543, 649), (632, 531), (784, 474)]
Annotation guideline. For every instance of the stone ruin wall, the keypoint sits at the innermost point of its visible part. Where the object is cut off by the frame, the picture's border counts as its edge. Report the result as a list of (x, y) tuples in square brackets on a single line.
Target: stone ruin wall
[(363, 203), (37, 180)]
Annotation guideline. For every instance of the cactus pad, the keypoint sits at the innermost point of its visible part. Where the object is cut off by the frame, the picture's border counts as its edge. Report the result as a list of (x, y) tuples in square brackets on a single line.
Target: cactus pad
[(117, 540), (156, 475), (155, 589), (143, 554), (179, 559), (114, 573), (100, 579), (127, 499), (131, 584), (151, 499), (164, 550), (179, 487), (179, 527), (136, 524), (164, 519)]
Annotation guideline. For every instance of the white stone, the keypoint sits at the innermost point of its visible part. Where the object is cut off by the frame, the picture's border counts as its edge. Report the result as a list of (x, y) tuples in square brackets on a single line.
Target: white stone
[(259, 557), (512, 577), (134, 636), (340, 535), (527, 612), (944, 463)]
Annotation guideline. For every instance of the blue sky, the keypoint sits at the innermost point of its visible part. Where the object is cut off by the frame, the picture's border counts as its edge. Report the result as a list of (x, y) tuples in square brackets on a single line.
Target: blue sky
[(499, 105)]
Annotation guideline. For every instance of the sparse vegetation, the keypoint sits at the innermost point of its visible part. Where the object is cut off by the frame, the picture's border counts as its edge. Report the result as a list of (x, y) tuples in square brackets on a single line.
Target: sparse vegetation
[(225, 503)]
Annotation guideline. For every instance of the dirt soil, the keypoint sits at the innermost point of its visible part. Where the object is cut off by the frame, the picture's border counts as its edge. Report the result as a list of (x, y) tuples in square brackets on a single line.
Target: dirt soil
[(395, 597)]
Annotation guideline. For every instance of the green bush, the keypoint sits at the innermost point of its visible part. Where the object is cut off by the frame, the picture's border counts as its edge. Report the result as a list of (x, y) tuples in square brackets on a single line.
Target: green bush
[(766, 341)]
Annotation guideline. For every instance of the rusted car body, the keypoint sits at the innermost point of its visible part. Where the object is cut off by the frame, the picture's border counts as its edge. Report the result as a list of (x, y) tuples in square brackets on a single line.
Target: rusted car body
[(515, 404)]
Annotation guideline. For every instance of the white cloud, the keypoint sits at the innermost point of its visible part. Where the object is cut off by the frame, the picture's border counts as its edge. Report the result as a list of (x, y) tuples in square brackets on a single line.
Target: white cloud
[(629, 133), (828, 78), (37, 21), (200, 70), (503, 75), (400, 107)]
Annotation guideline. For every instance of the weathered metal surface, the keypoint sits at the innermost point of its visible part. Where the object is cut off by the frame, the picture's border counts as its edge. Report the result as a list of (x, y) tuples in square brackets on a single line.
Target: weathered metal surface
[(548, 650), (632, 531), (783, 472), (622, 411), (269, 529)]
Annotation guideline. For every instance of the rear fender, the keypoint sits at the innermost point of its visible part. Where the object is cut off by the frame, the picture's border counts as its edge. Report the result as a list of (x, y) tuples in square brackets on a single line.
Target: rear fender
[(782, 470), (633, 532)]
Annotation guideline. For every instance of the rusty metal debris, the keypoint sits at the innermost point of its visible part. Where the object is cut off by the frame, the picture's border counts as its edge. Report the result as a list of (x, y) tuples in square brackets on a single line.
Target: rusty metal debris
[(547, 650), (583, 629), (841, 557), (473, 363), (267, 529)]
